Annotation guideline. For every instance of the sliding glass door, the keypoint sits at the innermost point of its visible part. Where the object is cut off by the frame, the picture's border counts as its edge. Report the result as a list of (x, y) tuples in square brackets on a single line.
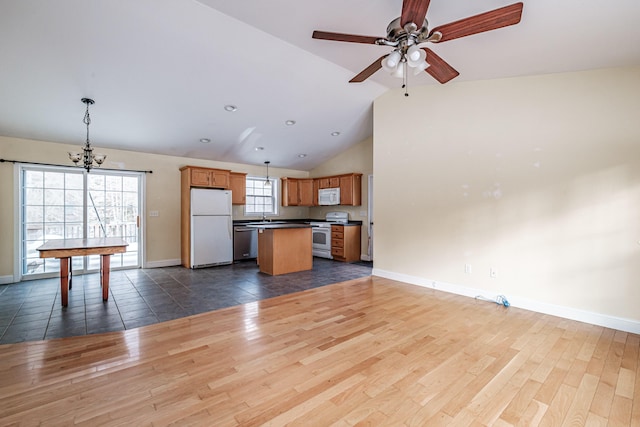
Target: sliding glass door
[(61, 203)]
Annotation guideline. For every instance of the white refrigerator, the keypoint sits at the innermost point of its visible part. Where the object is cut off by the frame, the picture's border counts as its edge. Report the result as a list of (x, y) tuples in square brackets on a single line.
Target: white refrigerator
[(211, 228)]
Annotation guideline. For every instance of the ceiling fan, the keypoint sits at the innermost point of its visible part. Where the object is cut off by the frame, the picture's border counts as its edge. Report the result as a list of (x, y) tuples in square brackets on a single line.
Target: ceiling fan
[(411, 29)]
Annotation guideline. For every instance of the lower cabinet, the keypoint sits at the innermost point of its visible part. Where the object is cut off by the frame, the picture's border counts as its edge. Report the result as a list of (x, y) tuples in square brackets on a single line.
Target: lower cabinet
[(345, 242)]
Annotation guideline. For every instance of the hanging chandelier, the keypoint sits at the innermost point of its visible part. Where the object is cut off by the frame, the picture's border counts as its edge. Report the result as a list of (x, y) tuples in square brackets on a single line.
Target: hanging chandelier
[(87, 156)]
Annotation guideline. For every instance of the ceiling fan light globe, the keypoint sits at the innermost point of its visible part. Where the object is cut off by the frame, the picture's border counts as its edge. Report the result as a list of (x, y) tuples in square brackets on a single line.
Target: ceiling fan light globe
[(386, 67), (420, 68), (420, 58), (399, 71), (393, 59), (413, 54)]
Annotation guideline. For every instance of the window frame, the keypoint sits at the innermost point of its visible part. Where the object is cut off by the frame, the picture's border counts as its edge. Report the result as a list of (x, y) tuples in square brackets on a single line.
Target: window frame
[(86, 264), (275, 196)]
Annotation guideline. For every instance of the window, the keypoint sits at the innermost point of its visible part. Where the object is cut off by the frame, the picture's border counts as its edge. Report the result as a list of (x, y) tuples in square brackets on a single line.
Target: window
[(58, 203), (261, 198)]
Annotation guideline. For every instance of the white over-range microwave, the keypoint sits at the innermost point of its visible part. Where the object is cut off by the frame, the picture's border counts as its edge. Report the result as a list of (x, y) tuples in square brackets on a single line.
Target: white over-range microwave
[(329, 196)]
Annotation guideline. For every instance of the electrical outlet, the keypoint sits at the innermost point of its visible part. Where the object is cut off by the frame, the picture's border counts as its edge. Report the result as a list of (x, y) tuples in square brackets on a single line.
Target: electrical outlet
[(493, 273), (467, 268)]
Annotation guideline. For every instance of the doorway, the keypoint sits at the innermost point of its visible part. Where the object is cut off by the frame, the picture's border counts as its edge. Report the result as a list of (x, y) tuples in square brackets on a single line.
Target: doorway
[(58, 202), (370, 216)]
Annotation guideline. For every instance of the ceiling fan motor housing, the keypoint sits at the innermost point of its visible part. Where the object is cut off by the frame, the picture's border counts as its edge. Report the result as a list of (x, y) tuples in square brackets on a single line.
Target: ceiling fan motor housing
[(397, 33)]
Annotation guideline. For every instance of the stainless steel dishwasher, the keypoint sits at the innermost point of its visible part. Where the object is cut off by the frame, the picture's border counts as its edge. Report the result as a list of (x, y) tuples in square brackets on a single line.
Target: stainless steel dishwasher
[(245, 243)]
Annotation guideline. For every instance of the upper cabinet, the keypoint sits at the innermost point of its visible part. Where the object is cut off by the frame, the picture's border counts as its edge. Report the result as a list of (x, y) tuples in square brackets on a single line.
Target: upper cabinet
[(297, 192), (328, 182), (351, 189), (206, 177), (304, 191), (238, 186)]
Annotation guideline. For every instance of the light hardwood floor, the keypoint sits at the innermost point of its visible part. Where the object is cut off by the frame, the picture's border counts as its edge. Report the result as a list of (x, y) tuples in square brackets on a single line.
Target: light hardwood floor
[(365, 352)]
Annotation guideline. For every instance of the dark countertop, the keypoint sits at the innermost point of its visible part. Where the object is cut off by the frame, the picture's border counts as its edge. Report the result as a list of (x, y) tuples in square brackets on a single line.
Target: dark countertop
[(287, 221), (276, 225)]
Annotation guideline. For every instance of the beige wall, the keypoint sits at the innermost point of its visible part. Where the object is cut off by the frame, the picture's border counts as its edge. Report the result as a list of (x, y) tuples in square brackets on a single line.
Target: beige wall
[(357, 159), (162, 194), (536, 177)]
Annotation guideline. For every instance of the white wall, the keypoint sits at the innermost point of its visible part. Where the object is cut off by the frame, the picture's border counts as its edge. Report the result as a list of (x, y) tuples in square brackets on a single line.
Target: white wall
[(536, 177)]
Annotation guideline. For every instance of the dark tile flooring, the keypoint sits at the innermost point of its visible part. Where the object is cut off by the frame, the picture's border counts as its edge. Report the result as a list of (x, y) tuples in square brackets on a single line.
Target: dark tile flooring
[(31, 310)]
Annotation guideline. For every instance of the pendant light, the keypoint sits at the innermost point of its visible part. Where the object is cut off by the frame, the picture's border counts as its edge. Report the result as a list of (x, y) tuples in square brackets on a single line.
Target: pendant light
[(267, 182)]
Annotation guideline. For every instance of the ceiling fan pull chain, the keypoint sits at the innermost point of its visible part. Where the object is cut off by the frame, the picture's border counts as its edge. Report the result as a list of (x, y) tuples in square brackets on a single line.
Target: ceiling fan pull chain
[(404, 80)]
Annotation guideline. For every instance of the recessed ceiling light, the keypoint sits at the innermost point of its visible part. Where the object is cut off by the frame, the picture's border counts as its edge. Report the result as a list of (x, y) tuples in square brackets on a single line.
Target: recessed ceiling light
[(302, 156), (205, 140), (290, 122), (259, 148), (335, 133), (230, 108)]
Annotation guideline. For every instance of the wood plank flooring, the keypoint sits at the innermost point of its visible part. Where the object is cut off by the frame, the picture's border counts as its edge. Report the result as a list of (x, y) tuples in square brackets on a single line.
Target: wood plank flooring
[(369, 351)]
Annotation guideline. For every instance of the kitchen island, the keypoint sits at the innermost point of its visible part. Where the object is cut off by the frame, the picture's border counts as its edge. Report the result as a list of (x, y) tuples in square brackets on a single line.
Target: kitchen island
[(284, 247)]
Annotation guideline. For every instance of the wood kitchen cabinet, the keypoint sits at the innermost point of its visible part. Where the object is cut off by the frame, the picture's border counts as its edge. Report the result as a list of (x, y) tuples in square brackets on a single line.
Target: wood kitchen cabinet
[(351, 189), (304, 191), (297, 192), (289, 191), (316, 187), (238, 186), (328, 182), (206, 177), (345, 242)]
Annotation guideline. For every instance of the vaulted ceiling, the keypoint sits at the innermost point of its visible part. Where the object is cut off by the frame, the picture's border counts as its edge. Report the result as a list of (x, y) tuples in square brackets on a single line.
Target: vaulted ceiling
[(162, 71)]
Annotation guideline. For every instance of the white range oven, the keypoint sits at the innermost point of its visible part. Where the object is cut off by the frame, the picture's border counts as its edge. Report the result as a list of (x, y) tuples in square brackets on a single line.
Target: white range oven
[(321, 233)]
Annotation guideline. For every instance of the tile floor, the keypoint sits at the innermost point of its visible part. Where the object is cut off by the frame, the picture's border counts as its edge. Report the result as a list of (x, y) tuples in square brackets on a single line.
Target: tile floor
[(31, 310)]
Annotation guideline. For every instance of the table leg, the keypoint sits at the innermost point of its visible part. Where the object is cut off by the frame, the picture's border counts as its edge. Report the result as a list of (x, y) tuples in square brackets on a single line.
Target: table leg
[(64, 280), (105, 261)]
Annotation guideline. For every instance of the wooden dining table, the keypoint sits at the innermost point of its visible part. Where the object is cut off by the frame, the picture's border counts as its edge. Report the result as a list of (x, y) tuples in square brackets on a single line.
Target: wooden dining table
[(64, 249)]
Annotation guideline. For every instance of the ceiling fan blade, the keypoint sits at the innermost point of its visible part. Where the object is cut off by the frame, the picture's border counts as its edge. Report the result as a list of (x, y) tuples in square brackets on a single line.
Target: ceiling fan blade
[(414, 11), (492, 20), (339, 37), (368, 72), (439, 68)]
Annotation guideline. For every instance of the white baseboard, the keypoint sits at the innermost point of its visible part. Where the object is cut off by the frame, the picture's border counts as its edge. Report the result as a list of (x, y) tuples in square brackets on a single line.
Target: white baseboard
[(162, 263), (5, 280), (613, 322)]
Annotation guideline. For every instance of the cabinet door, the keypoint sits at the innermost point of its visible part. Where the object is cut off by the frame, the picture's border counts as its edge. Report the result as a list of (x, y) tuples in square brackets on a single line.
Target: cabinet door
[(305, 192), (334, 182), (350, 190), (323, 183), (200, 177), (220, 179), (289, 192), (292, 196), (346, 190), (316, 187), (238, 186)]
